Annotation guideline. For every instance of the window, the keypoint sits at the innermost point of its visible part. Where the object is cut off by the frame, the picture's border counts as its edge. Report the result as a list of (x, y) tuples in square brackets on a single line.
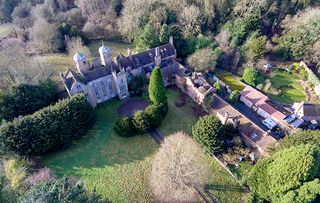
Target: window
[(104, 90), (95, 86)]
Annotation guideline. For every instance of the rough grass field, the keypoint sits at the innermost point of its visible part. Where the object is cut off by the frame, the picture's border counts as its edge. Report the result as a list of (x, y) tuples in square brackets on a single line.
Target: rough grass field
[(116, 47), (119, 167), (230, 79), (54, 64), (5, 30)]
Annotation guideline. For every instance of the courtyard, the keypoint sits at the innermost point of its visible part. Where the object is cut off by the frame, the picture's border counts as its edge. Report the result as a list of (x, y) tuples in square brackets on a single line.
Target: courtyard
[(119, 167)]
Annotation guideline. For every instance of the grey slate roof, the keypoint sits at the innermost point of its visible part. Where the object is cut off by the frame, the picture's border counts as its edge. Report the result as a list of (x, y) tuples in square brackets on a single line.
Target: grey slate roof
[(146, 57)]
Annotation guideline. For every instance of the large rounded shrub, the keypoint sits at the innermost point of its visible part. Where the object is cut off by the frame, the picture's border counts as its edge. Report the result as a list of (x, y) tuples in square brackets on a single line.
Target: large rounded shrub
[(124, 127), (206, 132), (140, 122), (154, 115)]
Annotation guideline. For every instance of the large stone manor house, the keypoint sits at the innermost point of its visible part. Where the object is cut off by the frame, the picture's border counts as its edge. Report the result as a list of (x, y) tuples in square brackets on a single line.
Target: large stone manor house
[(104, 79)]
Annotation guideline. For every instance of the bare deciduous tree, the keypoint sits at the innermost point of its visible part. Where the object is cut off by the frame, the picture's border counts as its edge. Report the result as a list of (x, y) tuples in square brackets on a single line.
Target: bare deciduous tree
[(179, 168), (75, 45), (190, 17), (45, 36), (17, 67)]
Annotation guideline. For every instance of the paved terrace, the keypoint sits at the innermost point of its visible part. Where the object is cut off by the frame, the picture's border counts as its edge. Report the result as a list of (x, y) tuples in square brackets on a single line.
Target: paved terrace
[(251, 133)]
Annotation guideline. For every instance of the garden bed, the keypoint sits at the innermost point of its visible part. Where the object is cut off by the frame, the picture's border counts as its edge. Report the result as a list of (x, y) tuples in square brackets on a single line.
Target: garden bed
[(285, 87), (230, 79)]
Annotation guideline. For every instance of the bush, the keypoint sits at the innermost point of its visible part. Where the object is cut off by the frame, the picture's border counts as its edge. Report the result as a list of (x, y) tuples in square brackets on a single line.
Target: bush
[(26, 99), (234, 96), (154, 115), (124, 127), (218, 86), (49, 128), (44, 175), (60, 190), (206, 132), (140, 122), (250, 76), (15, 170)]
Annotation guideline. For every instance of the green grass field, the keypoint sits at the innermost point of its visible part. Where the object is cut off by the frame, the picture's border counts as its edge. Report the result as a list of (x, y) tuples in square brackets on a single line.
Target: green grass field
[(56, 63), (119, 167), (230, 79), (116, 47), (5, 30), (288, 83)]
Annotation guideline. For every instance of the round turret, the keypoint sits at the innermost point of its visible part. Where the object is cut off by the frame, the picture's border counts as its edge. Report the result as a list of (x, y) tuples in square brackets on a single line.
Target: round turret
[(81, 61), (104, 50), (105, 55), (79, 57)]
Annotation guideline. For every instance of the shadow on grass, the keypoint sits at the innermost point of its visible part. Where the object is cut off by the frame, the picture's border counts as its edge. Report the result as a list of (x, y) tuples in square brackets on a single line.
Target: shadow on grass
[(233, 188), (101, 147)]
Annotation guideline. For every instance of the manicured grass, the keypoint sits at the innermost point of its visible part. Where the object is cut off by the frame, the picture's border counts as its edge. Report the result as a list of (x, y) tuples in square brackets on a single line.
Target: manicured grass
[(178, 118), (5, 30), (230, 79), (116, 47), (119, 167), (288, 83)]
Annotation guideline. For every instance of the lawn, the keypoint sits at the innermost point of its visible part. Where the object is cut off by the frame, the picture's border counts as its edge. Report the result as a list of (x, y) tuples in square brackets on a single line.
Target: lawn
[(230, 79), (116, 47), (5, 30), (288, 84), (119, 167), (56, 63)]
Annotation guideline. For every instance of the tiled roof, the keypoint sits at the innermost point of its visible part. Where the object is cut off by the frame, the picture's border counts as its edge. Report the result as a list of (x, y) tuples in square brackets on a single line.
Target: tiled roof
[(307, 109), (146, 57), (260, 100), (99, 72), (253, 133)]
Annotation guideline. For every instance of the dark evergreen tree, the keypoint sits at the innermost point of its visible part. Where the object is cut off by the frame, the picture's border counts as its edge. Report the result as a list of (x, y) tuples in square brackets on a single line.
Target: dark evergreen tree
[(26, 99), (157, 91), (206, 132), (48, 128), (164, 34)]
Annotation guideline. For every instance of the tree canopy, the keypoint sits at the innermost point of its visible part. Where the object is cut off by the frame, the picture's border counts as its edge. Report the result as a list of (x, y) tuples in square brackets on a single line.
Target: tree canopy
[(157, 92), (286, 174), (206, 132)]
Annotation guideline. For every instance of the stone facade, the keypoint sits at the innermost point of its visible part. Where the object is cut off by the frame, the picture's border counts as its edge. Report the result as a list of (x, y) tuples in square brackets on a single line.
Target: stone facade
[(106, 78)]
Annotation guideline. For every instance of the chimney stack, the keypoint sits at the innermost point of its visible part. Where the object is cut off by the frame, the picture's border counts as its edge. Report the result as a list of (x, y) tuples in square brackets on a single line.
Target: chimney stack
[(171, 40), (157, 57), (129, 52)]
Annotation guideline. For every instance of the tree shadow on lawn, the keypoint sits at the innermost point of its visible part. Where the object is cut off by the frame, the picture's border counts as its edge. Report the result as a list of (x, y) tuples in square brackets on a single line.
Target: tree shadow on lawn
[(101, 146), (233, 188)]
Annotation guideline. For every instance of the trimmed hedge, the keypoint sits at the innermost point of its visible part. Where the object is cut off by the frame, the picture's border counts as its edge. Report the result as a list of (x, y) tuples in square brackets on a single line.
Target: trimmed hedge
[(141, 121), (26, 99), (49, 128)]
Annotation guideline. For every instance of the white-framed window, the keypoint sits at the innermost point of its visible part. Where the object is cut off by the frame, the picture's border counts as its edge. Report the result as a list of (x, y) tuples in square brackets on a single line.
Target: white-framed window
[(103, 87), (95, 86)]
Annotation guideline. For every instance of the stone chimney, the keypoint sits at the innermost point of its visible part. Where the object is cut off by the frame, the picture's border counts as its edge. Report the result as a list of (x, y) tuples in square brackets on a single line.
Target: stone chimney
[(157, 57), (171, 40), (129, 51), (226, 117)]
